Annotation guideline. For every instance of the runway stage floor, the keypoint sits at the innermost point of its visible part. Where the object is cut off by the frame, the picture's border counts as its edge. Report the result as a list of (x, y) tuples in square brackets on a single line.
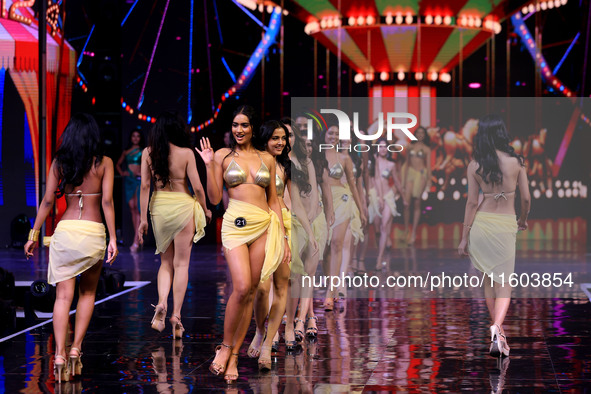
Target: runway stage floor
[(369, 345)]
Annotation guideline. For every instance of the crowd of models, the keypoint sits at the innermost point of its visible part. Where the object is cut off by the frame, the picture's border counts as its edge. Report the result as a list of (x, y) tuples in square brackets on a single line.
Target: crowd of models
[(289, 207)]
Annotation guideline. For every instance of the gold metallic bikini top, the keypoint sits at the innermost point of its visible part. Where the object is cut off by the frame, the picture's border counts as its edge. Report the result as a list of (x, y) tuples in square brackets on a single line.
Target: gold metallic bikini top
[(235, 175), (279, 185), (336, 171), (418, 153), (80, 196)]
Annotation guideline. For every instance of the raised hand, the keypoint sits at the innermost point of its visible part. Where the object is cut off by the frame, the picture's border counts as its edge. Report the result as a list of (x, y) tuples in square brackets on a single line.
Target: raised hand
[(206, 151)]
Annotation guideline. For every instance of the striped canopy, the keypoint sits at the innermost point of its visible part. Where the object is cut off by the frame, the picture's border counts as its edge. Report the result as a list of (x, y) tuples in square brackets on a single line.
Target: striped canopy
[(19, 55), (403, 35)]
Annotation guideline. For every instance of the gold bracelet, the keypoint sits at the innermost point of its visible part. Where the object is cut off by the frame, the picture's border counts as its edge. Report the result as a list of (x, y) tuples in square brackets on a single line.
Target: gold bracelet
[(469, 227), (34, 235)]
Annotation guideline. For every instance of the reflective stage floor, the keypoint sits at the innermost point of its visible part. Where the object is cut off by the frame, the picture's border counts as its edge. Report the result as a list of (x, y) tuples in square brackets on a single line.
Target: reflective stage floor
[(364, 345)]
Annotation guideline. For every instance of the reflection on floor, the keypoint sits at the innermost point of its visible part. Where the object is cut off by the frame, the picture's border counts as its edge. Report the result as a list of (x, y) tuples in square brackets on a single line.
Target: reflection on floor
[(375, 344)]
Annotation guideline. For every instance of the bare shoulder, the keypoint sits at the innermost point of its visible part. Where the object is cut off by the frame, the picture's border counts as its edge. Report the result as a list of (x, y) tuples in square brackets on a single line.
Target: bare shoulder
[(106, 162), (472, 166), (267, 158)]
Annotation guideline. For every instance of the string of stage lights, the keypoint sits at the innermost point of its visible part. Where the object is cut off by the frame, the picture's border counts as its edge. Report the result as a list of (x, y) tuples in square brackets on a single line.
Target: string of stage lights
[(241, 83)]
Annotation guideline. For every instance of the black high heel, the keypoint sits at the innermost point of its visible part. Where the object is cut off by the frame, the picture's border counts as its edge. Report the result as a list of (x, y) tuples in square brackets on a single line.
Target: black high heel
[(312, 332)]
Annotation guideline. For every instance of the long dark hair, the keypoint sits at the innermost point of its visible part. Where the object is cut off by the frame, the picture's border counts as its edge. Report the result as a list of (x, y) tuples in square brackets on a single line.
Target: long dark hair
[(300, 176), (318, 158), (265, 134), (492, 136), (169, 128), (142, 143), (80, 149), (426, 140), (250, 113)]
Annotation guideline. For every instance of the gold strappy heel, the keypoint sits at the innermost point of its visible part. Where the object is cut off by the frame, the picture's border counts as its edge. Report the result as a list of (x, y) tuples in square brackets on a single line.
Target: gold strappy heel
[(177, 327), (215, 368), (60, 370), (159, 316), (75, 362)]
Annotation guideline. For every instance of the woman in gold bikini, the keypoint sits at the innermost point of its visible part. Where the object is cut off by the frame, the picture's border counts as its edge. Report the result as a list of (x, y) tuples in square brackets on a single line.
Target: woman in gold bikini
[(347, 206), (416, 179), (81, 173), (253, 233), (178, 218), (490, 227)]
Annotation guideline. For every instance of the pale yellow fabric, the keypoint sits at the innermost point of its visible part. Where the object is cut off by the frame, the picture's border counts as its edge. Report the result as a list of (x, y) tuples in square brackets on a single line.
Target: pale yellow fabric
[(346, 209), (299, 240), (492, 244), (76, 245), (390, 199), (171, 212), (418, 179), (257, 222), (287, 224), (373, 207)]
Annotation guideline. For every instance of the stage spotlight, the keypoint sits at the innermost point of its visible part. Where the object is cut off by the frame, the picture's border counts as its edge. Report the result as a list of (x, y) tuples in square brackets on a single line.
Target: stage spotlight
[(360, 21), (440, 181), (384, 76), (433, 76), (456, 195), (428, 19), (114, 280), (584, 192), (369, 76), (358, 78), (566, 184), (556, 3), (543, 6), (440, 195), (548, 193), (43, 295), (408, 18), (576, 193), (269, 9), (452, 181), (389, 19), (399, 19), (425, 196), (524, 10), (557, 184), (560, 193), (438, 20), (568, 193), (445, 77), (323, 24), (537, 194), (550, 4), (471, 21), (447, 20), (533, 183), (419, 76), (370, 20), (531, 8), (478, 22), (401, 75), (464, 181), (563, 2), (351, 21)]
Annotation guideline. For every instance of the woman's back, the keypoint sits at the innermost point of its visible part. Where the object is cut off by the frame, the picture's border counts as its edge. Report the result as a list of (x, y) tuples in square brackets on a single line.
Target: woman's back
[(500, 197), (84, 201), (179, 160)]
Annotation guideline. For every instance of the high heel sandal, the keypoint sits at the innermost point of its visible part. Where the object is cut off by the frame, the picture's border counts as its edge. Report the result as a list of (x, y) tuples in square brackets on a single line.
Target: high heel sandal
[(159, 316), (498, 342), (215, 368), (177, 327), (312, 332), (253, 350), (299, 334), (264, 363), (231, 378), (60, 370), (75, 362)]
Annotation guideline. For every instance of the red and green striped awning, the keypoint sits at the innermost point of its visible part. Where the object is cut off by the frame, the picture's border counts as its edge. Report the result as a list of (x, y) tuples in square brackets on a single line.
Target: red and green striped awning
[(404, 35)]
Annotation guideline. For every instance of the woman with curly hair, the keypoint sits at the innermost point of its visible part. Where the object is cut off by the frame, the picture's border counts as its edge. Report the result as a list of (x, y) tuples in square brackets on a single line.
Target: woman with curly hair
[(84, 176), (178, 217), (490, 227)]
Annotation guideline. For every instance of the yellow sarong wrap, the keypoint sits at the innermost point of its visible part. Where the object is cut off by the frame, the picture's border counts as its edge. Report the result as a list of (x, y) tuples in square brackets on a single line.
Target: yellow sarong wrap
[(373, 205), (299, 241), (171, 212), (390, 199), (287, 224), (76, 245), (418, 179), (492, 244), (346, 209), (257, 222)]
